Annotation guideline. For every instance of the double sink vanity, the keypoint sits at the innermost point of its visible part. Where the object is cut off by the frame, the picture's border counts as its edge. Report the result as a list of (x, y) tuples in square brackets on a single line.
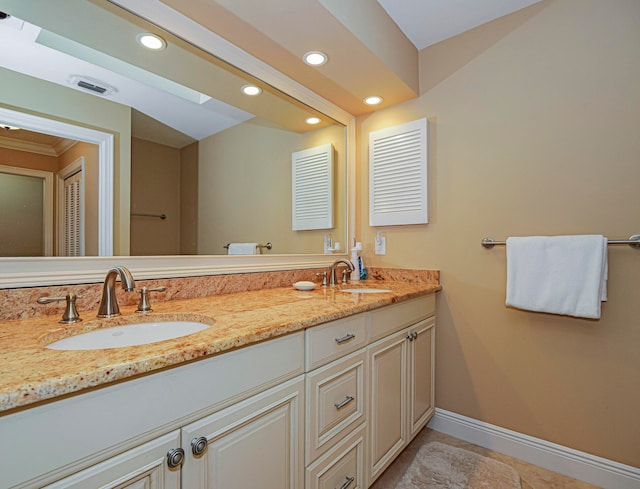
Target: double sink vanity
[(279, 388)]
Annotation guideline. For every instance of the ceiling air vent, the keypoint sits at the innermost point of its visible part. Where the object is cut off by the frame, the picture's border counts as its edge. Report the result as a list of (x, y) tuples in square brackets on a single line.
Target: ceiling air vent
[(91, 84)]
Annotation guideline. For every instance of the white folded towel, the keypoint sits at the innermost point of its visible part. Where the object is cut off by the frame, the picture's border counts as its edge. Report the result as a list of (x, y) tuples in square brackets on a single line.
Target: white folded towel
[(243, 248), (557, 274)]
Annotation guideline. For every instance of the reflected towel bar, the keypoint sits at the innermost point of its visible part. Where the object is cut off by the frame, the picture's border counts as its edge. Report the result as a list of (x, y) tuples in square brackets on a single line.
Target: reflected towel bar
[(267, 246), (633, 241), (142, 214)]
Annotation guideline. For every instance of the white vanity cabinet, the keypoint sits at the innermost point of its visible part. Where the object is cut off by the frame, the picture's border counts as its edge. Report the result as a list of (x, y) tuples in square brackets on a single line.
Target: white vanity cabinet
[(327, 408), (103, 431), (257, 442), (401, 378)]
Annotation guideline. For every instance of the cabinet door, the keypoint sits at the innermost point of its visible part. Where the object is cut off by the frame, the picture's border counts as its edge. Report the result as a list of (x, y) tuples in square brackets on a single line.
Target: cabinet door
[(421, 374), (255, 443), (388, 406), (144, 467)]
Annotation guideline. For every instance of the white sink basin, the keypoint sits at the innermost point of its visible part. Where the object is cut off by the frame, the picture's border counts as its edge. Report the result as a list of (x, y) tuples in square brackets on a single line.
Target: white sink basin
[(364, 290), (128, 335)]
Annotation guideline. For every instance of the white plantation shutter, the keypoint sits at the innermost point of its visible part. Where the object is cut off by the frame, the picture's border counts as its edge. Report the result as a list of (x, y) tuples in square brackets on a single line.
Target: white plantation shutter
[(73, 219), (312, 181), (398, 175)]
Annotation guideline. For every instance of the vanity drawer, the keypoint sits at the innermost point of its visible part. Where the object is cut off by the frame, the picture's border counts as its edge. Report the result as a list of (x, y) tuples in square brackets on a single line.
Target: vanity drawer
[(393, 318), (333, 340), (342, 467), (335, 402)]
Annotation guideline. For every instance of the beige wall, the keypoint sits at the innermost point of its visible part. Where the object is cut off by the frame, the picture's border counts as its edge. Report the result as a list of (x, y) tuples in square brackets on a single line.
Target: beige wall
[(245, 189), (537, 132), (155, 189), (189, 199), (26, 159)]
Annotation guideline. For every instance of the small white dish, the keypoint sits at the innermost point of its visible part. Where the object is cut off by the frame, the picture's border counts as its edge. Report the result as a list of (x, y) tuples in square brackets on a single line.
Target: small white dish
[(304, 285)]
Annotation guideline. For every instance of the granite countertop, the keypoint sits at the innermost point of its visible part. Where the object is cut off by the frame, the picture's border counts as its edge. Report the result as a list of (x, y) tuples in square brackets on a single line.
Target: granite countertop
[(32, 373)]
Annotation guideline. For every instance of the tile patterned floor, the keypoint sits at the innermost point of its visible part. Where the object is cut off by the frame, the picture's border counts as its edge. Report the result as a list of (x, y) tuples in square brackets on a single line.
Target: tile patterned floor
[(532, 477)]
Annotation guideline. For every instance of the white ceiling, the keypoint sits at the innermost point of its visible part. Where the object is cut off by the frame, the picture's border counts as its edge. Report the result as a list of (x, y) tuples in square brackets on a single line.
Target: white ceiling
[(426, 22)]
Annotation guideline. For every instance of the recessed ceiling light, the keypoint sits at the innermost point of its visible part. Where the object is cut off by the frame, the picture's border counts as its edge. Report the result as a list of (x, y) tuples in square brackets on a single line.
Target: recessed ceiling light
[(313, 120), (251, 90), (372, 100), (315, 58), (151, 41)]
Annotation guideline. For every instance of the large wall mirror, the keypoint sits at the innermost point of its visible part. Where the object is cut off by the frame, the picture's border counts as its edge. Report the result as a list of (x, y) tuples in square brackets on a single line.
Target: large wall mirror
[(155, 154)]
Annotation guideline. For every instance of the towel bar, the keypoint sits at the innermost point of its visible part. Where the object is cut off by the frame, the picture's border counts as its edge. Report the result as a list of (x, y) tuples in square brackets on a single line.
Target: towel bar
[(143, 214), (267, 246), (633, 241)]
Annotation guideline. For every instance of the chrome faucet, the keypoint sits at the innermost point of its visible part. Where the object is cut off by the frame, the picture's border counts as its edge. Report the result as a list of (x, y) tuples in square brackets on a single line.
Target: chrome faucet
[(109, 303), (332, 271)]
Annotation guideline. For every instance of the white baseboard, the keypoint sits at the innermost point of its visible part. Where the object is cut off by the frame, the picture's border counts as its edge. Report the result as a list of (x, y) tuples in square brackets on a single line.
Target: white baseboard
[(573, 463)]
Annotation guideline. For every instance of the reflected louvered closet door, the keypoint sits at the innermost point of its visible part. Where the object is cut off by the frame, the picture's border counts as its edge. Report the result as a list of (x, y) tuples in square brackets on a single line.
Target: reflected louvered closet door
[(73, 218), (312, 178)]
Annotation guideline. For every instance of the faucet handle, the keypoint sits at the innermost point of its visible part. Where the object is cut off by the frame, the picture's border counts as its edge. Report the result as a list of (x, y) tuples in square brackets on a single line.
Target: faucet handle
[(144, 305), (346, 273), (70, 314), (324, 278)]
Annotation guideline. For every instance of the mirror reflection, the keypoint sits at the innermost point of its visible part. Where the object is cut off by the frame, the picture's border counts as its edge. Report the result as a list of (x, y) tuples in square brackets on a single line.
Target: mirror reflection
[(197, 163)]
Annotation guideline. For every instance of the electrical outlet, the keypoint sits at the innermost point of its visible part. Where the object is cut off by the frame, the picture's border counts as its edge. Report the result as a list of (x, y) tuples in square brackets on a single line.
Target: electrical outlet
[(381, 245)]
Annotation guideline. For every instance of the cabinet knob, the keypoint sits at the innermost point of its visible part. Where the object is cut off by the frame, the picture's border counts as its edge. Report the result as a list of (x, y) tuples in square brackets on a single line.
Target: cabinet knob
[(175, 457), (198, 445), (347, 483)]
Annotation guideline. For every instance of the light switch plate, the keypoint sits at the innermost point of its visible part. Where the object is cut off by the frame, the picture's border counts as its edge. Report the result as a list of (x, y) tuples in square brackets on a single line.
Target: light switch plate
[(381, 245)]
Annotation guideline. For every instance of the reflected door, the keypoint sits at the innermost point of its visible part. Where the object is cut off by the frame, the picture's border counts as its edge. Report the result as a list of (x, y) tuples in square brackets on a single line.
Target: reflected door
[(25, 225), (70, 210)]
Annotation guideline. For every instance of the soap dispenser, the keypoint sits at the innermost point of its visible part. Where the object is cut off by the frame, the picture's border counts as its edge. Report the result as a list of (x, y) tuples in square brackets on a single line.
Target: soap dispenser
[(355, 260)]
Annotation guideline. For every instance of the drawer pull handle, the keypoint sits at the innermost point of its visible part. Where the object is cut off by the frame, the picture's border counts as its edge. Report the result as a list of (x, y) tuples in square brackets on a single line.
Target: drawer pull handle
[(347, 337), (342, 404), (347, 482)]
